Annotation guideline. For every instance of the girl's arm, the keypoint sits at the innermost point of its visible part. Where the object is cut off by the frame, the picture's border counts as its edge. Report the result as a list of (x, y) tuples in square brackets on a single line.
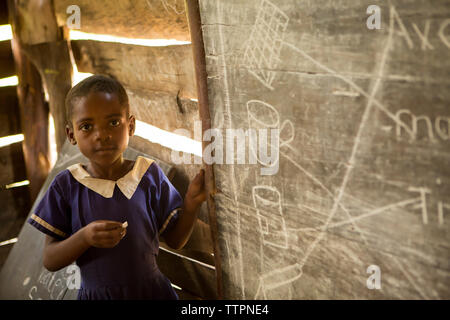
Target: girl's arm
[(100, 234), (177, 237)]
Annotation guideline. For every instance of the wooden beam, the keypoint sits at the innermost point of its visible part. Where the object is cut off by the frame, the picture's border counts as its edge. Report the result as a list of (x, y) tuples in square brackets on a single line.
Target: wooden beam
[(52, 59), (12, 167), (34, 121), (9, 111), (163, 110), (33, 113), (198, 52), (6, 60), (194, 277), (145, 19), (3, 12), (168, 69), (33, 108), (33, 28)]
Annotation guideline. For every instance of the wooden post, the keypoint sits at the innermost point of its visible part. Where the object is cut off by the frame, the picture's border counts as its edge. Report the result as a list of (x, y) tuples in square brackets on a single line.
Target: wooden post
[(34, 113), (195, 28), (43, 42)]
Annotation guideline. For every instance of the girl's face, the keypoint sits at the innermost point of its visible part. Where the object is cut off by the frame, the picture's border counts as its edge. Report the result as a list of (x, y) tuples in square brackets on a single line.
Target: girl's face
[(100, 127)]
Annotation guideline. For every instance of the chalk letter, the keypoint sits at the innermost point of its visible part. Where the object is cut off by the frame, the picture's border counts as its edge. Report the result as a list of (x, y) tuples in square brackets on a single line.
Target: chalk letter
[(423, 202), (424, 36), (443, 133), (74, 279), (441, 33), (404, 33)]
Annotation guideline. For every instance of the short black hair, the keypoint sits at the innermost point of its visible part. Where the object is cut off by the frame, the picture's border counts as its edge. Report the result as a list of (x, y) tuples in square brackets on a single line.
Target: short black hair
[(95, 83)]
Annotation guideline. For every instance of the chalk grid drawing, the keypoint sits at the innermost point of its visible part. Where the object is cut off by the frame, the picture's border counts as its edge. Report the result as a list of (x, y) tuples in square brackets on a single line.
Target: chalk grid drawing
[(262, 51)]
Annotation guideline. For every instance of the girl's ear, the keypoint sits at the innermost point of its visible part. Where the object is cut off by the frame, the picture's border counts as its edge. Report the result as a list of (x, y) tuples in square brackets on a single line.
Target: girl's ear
[(131, 125), (70, 135)]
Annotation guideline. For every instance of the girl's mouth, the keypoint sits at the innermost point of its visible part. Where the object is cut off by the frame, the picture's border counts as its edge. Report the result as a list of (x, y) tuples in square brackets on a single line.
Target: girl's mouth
[(105, 149)]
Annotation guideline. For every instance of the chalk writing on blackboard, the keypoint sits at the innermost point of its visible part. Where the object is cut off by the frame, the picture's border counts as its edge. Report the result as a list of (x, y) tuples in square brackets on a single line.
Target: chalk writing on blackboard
[(53, 285)]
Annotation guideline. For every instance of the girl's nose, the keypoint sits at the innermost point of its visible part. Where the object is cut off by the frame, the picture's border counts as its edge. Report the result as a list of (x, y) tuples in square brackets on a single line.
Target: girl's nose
[(103, 135)]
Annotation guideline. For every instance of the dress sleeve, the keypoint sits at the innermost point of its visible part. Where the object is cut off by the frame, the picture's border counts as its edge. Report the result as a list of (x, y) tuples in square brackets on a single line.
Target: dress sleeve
[(52, 214), (169, 202)]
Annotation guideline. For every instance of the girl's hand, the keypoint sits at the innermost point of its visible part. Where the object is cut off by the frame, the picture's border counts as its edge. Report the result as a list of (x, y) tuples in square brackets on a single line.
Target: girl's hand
[(196, 192), (104, 233)]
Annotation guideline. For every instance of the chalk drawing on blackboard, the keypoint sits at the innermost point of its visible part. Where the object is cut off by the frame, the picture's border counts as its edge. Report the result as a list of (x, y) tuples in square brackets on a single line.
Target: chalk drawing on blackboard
[(172, 4), (441, 125), (262, 51), (269, 280), (263, 115), (385, 209), (356, 144), (277, 278), (239, 266), (272, 225)]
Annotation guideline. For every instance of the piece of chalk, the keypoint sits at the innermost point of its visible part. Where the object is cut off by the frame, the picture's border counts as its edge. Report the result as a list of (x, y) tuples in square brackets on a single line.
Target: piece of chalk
[(125, 224)]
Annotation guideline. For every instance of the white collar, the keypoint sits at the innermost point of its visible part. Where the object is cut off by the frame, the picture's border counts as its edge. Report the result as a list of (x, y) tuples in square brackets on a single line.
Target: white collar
[(127, 184)]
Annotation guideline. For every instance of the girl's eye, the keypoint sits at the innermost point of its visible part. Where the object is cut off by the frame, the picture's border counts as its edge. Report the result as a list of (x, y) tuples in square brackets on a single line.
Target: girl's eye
[(85, 127), (115, 123)]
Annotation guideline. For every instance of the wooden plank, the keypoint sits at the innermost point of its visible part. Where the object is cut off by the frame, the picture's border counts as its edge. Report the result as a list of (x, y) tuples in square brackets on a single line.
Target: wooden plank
[(6, 60), (165, 111), (184, 172), (15, 206), (12, 165), (145, 19), (13, 212), (191, 276), (32, 28), (198, 51), (9, 111), (362, 175), (184, 295), (167, 69), (52, 59), (3, 12), (33, 111)]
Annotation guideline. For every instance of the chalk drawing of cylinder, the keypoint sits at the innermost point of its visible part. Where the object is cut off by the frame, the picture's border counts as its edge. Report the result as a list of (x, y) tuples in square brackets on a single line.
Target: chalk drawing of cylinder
[(277, 278), (267, 201), (264, 118)]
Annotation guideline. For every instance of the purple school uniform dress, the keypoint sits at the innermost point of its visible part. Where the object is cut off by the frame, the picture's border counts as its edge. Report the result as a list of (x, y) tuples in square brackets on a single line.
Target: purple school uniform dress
[(144, 197)]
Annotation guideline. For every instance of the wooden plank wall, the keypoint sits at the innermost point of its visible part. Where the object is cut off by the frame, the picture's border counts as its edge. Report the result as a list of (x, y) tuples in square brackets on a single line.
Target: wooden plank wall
[(161, 85), (362, 177), (15, 202)]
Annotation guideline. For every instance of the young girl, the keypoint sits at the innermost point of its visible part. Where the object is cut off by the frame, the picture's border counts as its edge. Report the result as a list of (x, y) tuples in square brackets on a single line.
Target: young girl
[(107, 214)]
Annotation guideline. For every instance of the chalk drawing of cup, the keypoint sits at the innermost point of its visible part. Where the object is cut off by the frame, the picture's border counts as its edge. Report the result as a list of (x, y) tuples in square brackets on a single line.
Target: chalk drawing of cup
[(267, 201), (265, 119)]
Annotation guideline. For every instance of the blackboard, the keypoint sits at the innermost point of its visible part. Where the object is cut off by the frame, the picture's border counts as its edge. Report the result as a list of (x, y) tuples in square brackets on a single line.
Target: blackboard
[(362, 182), (23, 275)]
